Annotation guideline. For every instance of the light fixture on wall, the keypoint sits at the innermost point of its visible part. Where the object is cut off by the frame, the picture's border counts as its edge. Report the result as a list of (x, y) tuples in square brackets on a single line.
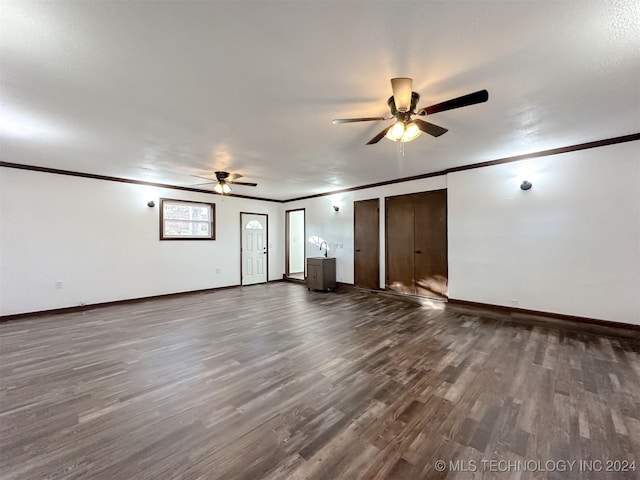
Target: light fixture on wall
[(336, 208), (151, 204), (526, 185)]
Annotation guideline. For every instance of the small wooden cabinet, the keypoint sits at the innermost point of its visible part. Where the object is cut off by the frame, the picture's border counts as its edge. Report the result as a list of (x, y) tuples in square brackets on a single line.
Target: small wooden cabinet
[(321, 273)]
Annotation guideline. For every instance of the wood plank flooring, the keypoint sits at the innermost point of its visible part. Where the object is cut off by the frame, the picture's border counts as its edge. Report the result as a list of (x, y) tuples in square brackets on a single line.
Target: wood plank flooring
[(275, 382)]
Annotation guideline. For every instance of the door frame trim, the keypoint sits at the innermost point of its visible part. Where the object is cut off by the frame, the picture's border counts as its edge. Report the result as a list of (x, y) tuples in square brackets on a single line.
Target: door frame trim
[(286, 241), (242, 243)]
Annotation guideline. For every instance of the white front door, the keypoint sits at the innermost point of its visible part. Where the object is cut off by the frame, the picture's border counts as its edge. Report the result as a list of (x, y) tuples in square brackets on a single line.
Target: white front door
[(254, 248)]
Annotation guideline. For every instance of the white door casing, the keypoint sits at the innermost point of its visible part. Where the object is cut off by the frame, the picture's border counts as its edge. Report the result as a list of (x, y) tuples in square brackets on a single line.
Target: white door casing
[(254, 248)]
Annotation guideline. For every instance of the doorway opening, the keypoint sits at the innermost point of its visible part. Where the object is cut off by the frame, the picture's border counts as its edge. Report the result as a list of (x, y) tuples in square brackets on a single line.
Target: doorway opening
[(296, 246), (254, 234)]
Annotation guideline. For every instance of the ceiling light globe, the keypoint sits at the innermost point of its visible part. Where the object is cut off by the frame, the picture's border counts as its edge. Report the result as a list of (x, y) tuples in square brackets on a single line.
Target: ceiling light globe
[(402, 87), (396, 132), (411, 132), (222, 188)]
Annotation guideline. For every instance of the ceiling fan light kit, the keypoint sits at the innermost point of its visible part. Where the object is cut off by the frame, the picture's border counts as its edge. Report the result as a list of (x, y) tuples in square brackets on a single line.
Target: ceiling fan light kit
[(222, 188), (224, 180), (403, 105), (403, 132)]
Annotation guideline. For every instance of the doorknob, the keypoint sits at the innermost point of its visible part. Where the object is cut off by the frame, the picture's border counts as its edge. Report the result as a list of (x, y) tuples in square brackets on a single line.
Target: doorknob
[(418, 251), (357, 249)]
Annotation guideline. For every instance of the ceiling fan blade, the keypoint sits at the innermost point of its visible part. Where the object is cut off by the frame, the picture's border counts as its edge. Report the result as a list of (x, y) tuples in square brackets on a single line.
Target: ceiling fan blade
[(247, 184), (352, 120), (379, 136), (402, 88), (199, 184), (205, 178), (233, 177), (430, 128), (463, 101)]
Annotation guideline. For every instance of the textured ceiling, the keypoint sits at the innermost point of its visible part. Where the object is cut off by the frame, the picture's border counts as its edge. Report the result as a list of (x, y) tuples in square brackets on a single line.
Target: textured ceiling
[(159, 91)]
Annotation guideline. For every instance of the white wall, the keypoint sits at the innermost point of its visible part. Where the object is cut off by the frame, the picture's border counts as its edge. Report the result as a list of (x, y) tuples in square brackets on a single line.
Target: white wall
[(101, 240), (296, 241), (336, 228), (570, 245)]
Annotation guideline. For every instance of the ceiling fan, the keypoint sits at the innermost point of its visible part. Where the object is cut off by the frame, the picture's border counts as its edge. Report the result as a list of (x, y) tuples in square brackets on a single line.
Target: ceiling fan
[(223, 180), (403, 105)]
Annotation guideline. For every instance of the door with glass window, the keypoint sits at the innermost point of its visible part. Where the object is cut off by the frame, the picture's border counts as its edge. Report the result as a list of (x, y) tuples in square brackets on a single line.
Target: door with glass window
[(254, 249)]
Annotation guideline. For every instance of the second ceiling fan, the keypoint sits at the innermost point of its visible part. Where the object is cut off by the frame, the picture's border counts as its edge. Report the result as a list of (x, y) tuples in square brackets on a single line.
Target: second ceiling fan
[(223, 180), (403, 105)]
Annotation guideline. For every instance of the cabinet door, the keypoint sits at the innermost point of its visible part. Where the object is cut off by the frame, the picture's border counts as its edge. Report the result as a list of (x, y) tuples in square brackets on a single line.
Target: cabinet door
[(313, 277), (329, 274), (399, 244)]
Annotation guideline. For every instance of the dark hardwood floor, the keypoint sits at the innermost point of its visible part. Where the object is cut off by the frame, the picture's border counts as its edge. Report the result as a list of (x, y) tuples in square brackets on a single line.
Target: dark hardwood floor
[(275, 382)]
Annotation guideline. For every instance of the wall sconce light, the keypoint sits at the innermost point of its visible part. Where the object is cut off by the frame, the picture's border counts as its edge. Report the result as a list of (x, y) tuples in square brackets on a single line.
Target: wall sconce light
[(151, 204), (336, 208), (526, 185)]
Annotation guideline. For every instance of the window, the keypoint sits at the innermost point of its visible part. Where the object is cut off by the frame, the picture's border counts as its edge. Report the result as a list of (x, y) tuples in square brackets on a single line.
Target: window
[(253, 225), (184, 220)]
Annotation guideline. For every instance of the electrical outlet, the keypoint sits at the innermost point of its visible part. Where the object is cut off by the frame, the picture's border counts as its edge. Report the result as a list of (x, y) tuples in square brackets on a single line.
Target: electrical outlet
[(514, 302), (58, 284), (217, 270)]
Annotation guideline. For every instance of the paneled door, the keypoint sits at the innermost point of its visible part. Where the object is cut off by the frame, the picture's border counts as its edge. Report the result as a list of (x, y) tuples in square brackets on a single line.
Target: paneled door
[(430, 243), (254, 248), (399, 244), (366, 243), (416, 247)]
